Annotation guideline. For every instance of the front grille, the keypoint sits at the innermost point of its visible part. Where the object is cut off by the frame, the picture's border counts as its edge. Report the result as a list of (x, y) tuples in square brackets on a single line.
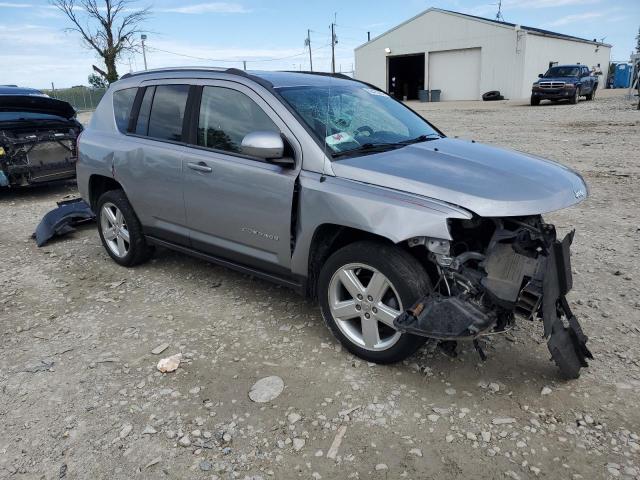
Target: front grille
[(551, 85)]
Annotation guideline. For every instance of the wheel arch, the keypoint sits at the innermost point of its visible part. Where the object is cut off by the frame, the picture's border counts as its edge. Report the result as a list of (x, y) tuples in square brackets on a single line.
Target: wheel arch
[(330, 237), (99, 184)]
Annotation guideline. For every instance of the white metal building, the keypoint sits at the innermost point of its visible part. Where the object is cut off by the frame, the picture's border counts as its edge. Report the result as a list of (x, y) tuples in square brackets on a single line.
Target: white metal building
[(465, 56)]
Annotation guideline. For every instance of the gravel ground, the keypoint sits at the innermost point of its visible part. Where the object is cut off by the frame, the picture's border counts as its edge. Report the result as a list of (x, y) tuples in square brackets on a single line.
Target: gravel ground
[(80, 396)]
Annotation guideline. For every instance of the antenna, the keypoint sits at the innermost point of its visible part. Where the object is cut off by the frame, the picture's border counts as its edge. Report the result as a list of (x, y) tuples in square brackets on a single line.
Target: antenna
[(499, 16)]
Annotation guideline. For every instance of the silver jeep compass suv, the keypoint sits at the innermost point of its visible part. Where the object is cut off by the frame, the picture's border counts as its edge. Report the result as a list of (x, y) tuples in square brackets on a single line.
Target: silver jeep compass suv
[(333, 188)]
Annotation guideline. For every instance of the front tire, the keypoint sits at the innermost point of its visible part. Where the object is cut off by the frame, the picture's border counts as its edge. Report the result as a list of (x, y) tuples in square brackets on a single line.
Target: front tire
[(576, 97), (535, 101), (362, 287), (120, 230)]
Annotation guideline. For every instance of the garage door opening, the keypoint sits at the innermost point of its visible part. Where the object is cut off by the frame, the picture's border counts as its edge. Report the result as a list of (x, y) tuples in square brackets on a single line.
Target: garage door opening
[(406, 76)]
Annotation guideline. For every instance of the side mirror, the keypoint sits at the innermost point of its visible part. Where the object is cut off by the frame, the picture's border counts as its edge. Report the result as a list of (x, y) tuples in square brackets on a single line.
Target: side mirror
[(266, 145), (540, 75)]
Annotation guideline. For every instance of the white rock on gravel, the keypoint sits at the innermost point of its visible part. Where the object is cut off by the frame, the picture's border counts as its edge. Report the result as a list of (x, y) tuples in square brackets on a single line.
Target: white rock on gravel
[(381, 466), (125, 430), (503, 420), (337, 440), (546, 391), (298, 444), (149, 430), (169, 364), (293, 417), (160, 348), (266, 389), (416, 451)]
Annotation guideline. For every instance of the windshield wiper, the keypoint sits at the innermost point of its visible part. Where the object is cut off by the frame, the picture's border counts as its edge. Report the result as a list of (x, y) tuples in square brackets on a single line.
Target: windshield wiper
[(421, 138), (370, 148), (384, 146)]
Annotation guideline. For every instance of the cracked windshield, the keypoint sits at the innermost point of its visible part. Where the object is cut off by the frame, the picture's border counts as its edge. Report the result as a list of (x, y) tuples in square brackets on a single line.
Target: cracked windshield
[(355, 118)]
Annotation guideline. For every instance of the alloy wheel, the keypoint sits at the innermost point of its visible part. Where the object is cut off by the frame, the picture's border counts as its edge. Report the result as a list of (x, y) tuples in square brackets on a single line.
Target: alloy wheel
[(364, 303), (114, 230)]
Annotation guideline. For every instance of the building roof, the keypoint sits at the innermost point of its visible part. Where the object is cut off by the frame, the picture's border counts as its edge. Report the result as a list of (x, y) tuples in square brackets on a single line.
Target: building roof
[(532, 30)]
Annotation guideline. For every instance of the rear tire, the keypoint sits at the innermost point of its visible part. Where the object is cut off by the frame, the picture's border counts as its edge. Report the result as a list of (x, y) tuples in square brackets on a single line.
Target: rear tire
[(592, 95), (120, 230), (363, 266)]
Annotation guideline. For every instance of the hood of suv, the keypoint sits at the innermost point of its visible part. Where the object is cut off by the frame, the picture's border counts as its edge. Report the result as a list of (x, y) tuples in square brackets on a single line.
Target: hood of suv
[(489, 181)]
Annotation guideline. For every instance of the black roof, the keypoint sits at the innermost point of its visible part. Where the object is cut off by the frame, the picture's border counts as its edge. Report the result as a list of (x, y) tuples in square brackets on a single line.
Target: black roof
[(523, 27)]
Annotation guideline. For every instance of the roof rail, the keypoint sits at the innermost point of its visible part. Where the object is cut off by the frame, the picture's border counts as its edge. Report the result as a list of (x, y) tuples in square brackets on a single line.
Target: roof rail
[(322, 74), (175, 69)]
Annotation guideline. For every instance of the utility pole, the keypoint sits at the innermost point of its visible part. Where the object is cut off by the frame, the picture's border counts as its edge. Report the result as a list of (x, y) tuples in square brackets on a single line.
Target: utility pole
[(244, 64), (333, 47), (368, 36), (307, 43), (143, 37)]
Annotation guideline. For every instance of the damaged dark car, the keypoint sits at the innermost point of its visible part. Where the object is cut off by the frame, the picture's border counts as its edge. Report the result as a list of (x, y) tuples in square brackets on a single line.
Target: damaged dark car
[(37, 138)]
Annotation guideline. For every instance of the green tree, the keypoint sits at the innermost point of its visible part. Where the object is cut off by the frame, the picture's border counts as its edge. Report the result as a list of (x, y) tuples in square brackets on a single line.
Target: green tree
[(97, 81), (110, 27)]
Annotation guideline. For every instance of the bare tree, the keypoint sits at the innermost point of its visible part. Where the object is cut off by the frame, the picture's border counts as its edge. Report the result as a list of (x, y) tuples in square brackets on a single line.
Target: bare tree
[(110, 27)]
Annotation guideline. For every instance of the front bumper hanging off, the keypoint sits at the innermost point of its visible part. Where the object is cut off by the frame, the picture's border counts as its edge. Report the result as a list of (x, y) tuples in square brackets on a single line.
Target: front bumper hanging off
[(526, 274)]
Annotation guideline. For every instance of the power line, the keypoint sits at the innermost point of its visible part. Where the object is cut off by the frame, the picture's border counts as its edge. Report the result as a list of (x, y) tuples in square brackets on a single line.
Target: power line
[(226, 60)]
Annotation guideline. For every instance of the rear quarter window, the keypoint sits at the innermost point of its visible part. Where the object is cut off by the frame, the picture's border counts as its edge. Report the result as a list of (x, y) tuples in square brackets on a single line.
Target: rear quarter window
[(122, 104)]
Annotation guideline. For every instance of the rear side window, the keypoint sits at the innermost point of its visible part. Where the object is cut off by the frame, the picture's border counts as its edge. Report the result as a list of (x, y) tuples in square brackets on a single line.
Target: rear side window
[(122, 104), (226, 116), (167, 112)]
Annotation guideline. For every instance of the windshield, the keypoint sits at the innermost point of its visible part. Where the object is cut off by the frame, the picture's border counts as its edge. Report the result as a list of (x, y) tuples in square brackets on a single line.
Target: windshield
[(356, 117), (562, 72)]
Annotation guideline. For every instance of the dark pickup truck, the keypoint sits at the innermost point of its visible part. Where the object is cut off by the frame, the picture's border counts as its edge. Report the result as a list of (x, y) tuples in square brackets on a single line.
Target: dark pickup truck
[(564, 82)]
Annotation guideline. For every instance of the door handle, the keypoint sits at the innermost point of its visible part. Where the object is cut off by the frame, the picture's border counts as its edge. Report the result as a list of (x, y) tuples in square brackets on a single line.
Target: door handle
[(200, 167)]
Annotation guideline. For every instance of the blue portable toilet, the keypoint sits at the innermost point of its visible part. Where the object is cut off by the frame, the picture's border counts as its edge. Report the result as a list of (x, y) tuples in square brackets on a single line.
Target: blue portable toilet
[(622, 75)]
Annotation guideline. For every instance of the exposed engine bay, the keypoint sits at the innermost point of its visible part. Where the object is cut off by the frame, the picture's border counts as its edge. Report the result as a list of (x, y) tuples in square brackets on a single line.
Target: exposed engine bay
[(31, 154), (37, 138), (494, 270)]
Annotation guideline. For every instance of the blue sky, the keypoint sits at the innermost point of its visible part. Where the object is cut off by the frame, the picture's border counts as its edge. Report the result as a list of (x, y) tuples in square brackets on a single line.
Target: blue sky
[(35, 50)]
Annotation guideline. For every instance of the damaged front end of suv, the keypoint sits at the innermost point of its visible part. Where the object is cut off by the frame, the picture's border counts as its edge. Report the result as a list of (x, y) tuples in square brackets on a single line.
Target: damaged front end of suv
[(494, 270), (37, 138)]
